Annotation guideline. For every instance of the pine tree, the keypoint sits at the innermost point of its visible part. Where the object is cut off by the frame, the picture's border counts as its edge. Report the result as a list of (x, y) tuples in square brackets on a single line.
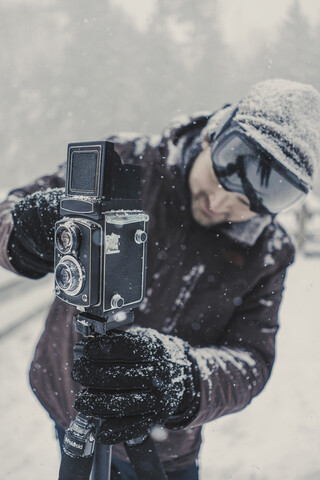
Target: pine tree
[(293, 53), (208, 62)]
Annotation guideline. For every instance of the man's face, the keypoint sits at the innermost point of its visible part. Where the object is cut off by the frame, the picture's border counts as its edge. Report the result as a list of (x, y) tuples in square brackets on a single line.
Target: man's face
[(211, 204)]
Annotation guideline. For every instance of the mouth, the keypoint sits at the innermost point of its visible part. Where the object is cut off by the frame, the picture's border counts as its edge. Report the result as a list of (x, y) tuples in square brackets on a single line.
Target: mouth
[(206, 205), (207, 209), (201, 206), (204, 211)]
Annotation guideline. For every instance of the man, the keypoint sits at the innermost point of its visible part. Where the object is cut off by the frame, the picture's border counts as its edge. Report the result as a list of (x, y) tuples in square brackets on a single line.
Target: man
[(203, 343)]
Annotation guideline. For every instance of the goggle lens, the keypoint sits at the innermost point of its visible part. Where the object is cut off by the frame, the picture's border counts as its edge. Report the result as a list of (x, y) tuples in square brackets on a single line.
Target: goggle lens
[(241, 167)]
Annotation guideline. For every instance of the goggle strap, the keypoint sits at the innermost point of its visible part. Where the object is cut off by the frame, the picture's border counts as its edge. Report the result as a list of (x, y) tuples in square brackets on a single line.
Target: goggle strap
[(225, 122)]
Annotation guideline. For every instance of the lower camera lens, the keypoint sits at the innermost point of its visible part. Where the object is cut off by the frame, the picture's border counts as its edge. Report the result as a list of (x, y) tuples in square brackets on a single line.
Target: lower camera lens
[(69, 276), (63, 276)]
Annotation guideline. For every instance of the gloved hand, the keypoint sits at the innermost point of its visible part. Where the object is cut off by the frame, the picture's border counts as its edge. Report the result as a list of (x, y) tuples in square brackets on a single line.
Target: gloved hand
[(135, 380), (31, 244)]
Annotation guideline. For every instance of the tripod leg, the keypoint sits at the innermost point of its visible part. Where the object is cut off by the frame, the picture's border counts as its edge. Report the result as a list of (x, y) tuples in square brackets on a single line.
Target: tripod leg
[(144, 458), (72, 468), (101, 469)]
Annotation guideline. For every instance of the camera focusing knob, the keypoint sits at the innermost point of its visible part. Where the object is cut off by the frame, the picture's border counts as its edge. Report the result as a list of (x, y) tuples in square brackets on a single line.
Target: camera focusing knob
[(140, 236), (117, 301)]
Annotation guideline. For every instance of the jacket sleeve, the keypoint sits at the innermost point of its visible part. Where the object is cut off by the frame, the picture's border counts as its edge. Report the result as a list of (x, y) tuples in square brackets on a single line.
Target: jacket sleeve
[(237, 369), (55, 180)]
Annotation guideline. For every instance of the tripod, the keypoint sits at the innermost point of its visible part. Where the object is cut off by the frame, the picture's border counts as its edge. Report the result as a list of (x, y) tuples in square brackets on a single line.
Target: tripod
[(84, 458)]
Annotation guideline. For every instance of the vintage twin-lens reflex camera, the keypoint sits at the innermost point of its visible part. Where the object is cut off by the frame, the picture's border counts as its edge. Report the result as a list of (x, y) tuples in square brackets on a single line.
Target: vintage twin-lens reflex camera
[(100, 244)]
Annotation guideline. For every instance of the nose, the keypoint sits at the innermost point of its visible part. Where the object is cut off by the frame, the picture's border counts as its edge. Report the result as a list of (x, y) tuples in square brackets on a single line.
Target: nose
[(216, 200)]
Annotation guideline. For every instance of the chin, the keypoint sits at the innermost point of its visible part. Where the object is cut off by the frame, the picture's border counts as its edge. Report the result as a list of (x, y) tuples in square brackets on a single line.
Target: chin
[(205, 222)]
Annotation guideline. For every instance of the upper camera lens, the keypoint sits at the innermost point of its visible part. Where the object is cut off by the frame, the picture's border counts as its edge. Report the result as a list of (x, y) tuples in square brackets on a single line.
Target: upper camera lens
[(67, 238)]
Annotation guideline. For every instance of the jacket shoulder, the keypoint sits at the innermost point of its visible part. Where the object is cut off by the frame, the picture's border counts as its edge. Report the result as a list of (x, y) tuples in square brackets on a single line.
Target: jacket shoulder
[(185, 125), (278, 245), (133, 147)]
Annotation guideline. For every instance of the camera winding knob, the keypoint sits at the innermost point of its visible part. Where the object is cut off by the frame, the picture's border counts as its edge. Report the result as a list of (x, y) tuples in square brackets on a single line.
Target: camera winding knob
[(117, 301), (140, 236)]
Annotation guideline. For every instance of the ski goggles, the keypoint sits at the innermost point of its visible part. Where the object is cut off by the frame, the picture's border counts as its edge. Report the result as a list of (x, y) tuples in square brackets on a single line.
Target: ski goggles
[(243, 166)]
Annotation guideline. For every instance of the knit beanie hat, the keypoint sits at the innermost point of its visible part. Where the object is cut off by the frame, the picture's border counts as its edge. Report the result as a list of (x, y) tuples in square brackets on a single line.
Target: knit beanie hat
[(284, 118)]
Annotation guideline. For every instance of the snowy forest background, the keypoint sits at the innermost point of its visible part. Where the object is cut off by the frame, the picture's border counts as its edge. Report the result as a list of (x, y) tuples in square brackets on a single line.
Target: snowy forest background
[(79, 70)]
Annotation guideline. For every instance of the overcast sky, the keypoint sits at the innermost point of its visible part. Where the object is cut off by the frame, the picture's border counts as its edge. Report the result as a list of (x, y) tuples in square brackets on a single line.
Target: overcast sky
[(240, 20)]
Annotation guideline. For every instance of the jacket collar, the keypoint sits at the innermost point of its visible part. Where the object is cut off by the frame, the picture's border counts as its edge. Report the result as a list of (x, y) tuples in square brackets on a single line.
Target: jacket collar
[(246, 232)]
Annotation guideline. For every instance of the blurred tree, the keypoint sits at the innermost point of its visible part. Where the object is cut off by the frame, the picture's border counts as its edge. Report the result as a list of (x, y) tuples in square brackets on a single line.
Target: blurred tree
[(29, 65), (255, 68), (316, 61), (71, 72), (293, 54), (74, 71), (209, 63), (163, 73), (78, 71), (101, 80)]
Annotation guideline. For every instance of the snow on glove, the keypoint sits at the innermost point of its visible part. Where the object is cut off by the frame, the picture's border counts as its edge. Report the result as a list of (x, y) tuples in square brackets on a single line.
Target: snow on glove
[(135, 380), (31, 244)]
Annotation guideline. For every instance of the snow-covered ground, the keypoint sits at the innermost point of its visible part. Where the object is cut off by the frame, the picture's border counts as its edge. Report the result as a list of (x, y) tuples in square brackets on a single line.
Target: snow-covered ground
[(277, 437)]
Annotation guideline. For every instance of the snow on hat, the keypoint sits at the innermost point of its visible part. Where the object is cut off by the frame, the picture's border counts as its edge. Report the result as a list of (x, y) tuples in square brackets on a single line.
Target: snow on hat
[(284, 118)]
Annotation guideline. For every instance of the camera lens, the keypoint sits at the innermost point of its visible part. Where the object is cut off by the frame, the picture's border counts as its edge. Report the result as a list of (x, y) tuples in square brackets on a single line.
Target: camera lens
[(63, 277), (69, 276), (67, 238)]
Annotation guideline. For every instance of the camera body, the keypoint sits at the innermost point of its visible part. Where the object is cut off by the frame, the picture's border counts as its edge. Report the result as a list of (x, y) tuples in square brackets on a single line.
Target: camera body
[(100, 243)]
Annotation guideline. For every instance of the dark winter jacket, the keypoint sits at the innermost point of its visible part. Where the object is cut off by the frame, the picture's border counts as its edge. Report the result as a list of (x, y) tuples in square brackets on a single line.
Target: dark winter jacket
[(218, 289)]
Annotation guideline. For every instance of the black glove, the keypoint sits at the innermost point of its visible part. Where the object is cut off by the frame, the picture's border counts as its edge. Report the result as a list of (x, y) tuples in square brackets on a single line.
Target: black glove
[(31, 244), (136, 379)]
